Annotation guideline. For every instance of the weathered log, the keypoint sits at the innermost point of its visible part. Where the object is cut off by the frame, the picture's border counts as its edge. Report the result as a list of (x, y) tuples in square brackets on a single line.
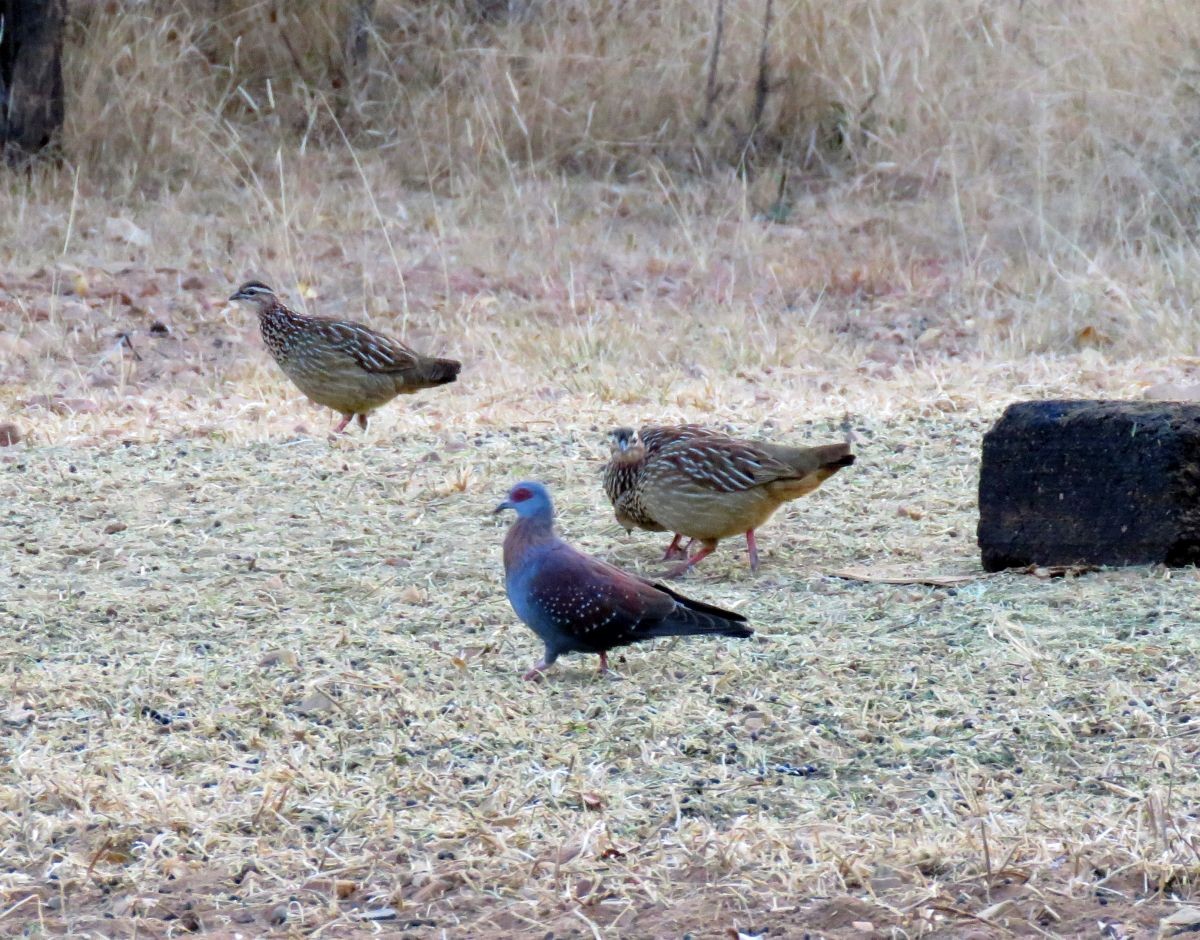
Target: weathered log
[(1091, 482), (31, 78)]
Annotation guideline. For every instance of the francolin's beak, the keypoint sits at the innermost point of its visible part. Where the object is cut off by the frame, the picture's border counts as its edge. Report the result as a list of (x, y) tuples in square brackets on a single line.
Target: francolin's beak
[(238, 296)]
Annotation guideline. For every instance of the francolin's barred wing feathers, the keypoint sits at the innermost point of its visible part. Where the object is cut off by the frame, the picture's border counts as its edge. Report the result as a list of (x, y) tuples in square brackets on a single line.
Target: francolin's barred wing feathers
[(373, 351), (720, 464), (654, 438)]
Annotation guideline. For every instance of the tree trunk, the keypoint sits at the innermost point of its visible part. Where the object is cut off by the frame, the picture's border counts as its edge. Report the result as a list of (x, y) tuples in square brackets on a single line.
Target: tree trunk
[(31, 80)]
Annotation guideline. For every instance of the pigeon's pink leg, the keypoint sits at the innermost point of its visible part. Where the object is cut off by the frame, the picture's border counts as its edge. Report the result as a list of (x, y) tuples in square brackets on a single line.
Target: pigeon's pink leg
[(341, 427), (362, 421), (691, 562), (536, 672), (674, 550), (603, 663), (753, 547)]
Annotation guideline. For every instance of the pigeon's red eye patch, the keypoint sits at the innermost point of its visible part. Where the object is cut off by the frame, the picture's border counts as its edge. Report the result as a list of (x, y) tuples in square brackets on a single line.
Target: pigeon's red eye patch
[(520, 494)]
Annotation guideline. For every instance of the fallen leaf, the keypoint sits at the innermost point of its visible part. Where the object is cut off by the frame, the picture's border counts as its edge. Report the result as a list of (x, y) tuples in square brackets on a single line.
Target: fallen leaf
[(122, 229), (340, 888), (435, 888), (414, 595), (114, 527), (174, 868), (1058, 571), (929, 337), (1091, 337), (1183, 921)]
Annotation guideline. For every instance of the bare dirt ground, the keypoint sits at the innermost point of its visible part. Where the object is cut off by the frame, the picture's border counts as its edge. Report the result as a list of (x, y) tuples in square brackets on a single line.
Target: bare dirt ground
[(257, 680)]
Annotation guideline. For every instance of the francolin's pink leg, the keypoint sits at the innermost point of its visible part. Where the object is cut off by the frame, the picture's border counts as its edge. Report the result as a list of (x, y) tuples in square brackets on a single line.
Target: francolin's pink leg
[(691, 562), (753, 547), (536, 672), (362, 421), (342, 426), (674, 550), (603, 663)]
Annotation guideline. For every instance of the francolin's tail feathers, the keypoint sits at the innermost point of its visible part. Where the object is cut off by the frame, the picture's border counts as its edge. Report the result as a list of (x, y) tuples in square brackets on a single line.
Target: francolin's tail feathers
[(430, 372)]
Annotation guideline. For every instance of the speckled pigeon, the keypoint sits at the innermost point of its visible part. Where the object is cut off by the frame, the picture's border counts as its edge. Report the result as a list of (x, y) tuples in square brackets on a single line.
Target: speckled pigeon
[(579, 604)]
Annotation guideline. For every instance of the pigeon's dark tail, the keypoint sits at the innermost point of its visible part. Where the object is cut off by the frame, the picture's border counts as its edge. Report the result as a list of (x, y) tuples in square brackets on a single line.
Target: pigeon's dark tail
[(695, 618)]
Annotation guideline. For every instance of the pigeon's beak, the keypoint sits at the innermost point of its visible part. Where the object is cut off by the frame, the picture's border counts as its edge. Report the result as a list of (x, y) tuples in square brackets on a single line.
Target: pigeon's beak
[(507, 504)]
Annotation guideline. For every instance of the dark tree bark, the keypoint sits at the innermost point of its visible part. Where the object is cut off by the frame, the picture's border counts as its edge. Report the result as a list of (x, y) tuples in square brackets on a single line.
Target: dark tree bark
[(31, 79), (358, 34)]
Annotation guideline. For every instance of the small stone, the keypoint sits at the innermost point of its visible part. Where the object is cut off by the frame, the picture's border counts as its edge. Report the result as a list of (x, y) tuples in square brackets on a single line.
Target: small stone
[(9, 435), (17, 715), (315, 703), (279, 658)]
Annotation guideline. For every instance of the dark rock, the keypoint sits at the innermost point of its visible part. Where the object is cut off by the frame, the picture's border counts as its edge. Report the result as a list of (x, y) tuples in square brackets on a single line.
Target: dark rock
[(1091, 482)]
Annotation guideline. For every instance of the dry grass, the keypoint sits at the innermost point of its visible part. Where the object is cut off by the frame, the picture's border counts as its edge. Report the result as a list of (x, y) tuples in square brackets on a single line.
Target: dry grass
[(324, 627), (254, 679)]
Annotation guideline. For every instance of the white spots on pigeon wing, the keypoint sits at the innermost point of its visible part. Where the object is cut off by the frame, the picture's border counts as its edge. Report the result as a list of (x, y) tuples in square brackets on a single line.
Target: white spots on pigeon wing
[(579, 612)]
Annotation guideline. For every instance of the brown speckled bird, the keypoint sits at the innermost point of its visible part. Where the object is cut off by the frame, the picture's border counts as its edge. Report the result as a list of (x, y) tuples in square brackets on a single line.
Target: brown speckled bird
[(338, 363), (703, 484)]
